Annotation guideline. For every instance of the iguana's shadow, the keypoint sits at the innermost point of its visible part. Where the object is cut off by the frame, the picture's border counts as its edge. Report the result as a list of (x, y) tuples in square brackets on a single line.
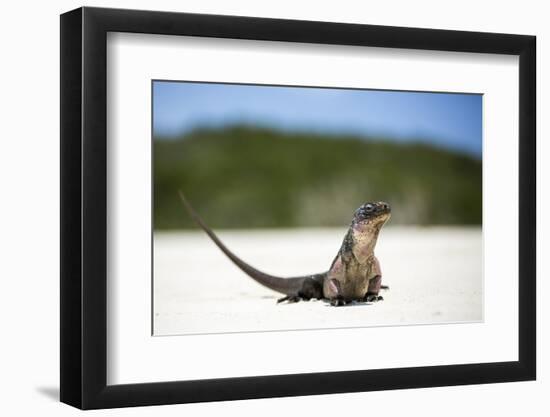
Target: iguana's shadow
[(350, 304)]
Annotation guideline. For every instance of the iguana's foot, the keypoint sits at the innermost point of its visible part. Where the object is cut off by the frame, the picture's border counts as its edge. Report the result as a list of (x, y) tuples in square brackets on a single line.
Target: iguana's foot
[(372, 298), (290, 299), (336, 302)]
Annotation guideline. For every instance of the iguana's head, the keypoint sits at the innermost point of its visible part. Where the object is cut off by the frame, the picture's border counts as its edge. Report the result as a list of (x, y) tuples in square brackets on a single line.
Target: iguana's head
[(375, 214)]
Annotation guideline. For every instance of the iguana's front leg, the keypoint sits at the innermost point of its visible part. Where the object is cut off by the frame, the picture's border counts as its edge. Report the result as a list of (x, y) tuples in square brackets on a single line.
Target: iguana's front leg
[(375, 284)]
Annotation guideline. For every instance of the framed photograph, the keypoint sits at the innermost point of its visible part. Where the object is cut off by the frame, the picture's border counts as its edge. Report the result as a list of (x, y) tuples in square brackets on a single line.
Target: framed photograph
[(257, 208)]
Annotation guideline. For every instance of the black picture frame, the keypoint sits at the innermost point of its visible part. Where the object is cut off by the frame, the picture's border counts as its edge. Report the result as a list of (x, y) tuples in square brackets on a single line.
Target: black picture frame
[(84, 207)]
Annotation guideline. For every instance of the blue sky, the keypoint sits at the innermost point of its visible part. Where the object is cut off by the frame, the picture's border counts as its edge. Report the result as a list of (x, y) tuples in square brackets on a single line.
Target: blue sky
[(448, 120)]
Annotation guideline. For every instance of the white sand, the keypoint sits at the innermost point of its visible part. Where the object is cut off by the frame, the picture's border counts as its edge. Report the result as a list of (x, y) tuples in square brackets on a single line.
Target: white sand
[(434, 274)]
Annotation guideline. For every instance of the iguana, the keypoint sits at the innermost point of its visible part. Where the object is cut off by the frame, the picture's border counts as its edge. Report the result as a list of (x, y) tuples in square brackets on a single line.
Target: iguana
[(354, 274)]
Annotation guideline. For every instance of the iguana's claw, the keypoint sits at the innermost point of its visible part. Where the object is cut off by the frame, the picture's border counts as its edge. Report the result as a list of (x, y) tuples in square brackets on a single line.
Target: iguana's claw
[(370, 298), (290, 299), (337, 302)]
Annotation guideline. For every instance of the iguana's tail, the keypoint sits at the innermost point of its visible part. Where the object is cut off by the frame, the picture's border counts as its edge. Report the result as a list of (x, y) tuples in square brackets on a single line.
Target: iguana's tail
[(287, 286)]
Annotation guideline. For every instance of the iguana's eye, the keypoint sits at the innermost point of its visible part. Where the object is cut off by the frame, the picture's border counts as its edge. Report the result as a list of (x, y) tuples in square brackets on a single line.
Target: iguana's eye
[(368, 207)]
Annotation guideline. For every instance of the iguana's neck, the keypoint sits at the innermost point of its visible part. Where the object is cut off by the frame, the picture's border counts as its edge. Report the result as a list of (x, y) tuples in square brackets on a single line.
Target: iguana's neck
[(365, 236)]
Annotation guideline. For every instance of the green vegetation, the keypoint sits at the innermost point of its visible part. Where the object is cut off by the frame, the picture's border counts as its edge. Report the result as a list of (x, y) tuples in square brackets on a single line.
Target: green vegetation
[(244, 177)]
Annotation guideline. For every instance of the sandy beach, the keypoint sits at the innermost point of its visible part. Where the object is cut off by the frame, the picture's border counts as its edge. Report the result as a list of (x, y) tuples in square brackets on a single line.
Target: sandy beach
[(434, 274)]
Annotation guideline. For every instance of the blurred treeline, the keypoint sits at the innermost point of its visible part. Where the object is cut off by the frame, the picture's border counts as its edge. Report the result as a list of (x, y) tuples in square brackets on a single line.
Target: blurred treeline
[(243, 177)]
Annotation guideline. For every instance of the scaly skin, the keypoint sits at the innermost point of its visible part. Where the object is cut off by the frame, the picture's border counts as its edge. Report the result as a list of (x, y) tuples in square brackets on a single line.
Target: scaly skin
[(354, 275)]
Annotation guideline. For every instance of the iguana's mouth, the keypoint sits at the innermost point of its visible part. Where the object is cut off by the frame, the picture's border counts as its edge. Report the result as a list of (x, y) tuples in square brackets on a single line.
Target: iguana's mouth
[(382, 207), (382, 212)]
